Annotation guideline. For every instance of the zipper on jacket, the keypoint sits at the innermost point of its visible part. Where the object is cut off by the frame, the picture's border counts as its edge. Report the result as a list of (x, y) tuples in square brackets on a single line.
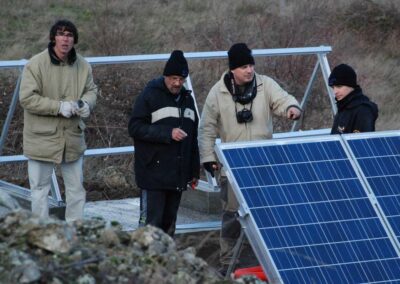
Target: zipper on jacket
[(182, 107)]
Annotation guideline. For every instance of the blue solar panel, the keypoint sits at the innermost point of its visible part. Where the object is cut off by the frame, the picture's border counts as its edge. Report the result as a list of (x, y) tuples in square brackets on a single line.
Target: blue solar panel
[(379, 159), (309, 213)]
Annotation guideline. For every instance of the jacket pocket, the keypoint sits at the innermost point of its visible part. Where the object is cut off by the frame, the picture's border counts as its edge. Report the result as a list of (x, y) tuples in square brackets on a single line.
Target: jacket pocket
[(43, 126)]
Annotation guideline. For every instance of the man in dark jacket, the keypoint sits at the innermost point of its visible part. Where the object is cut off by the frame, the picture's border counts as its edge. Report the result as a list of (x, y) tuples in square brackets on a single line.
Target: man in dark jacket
[(163, 126), (356, 113)]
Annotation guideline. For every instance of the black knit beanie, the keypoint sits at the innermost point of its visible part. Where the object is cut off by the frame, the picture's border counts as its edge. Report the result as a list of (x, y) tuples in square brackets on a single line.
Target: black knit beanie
[(239, 54), (343, 75), (176, 65)]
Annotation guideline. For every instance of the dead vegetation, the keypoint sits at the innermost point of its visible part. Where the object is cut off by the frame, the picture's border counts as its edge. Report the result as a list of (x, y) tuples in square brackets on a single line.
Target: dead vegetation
[(362, 33), (94, 251)]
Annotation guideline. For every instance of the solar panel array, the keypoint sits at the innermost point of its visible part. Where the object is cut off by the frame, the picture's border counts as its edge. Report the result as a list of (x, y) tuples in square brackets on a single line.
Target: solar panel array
[(309, 211), (379, 159)]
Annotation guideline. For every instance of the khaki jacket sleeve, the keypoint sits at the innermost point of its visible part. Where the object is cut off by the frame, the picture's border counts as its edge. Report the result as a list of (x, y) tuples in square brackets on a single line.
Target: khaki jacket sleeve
[(90, 91), (279, 99), (208, 129), (30, 93)]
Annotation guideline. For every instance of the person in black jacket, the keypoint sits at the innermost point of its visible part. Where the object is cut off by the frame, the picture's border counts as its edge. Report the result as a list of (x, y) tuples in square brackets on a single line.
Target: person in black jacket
[(356, 113), (163, 126)]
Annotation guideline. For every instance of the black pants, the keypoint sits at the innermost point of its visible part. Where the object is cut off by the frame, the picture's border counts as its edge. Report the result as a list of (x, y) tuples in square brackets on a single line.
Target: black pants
[(159, 208)]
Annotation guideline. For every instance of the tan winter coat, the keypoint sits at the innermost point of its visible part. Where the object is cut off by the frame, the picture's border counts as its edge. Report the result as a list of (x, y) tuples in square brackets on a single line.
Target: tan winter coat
[(46, 134), (218, 118)]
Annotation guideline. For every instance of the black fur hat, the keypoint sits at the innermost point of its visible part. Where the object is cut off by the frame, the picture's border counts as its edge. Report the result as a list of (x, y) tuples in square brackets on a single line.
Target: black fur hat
[(343, 75), (176, 65)]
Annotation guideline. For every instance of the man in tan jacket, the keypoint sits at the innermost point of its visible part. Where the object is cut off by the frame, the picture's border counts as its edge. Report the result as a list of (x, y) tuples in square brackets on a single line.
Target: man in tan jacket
[(57, 91), (239, 107)]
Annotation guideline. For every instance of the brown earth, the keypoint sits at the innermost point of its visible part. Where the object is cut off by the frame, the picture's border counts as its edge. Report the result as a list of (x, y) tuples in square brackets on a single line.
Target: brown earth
[(206, 245)]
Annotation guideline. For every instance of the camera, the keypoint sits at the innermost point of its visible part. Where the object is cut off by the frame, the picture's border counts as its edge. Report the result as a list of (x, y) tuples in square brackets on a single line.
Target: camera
[(244, 116)]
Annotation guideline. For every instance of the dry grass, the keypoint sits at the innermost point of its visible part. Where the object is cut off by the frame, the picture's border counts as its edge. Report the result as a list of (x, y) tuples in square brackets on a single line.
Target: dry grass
[(363, 33), (357, 30)]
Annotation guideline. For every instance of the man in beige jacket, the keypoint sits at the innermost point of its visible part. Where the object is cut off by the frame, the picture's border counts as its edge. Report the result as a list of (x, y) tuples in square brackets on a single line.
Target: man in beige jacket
[(57, 91), (239, 107)]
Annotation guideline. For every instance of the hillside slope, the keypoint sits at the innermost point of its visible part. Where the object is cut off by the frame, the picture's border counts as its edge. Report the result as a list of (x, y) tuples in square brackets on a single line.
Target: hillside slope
[(362, 33)]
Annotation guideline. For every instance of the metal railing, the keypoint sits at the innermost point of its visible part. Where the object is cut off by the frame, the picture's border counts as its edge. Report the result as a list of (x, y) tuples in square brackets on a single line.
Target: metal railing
[(321, 63)]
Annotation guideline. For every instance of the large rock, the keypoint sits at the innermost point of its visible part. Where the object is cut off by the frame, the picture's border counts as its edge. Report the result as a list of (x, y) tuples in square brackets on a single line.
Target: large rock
[(116, 179), (92, 251), (113, 178)]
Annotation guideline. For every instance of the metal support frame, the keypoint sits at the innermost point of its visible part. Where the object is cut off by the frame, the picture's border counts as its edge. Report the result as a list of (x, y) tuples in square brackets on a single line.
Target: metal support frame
[(236, 254), (55, 190), (10, 113), (211, 185), (323, 61), (307, 93)]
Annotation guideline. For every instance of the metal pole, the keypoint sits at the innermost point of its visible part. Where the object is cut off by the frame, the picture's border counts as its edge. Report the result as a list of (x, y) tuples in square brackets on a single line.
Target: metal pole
[(326, 71), (55, 189), (10, 114), (236, 252), (188, 85), (306, 93)]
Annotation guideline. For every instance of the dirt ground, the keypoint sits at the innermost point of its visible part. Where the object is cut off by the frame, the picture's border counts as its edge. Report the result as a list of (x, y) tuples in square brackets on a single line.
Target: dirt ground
[(207, 247)]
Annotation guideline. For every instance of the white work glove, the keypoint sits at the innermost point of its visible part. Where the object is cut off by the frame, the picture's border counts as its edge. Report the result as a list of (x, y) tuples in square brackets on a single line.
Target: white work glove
[(66, 109), (84, 111)]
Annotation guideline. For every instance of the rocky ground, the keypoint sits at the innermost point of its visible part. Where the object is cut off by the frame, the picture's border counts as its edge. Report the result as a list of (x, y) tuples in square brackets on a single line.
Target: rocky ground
[(93, 251)]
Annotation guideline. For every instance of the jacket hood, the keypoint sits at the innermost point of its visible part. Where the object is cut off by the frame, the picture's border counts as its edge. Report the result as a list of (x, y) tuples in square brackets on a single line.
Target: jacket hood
[(356, 98)]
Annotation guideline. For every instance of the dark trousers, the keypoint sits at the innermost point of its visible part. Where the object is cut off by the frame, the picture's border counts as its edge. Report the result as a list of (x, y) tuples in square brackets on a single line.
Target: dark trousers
[(159, 208)]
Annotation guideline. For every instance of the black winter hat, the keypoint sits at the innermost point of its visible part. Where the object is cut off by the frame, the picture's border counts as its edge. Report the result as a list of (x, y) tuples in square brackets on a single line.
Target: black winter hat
[(176, 65), (343, 75), (239, 54)]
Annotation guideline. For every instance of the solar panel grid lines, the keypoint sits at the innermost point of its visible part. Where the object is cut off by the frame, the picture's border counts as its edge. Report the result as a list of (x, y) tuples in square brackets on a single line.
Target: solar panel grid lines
[(310, 212), (378, 155)]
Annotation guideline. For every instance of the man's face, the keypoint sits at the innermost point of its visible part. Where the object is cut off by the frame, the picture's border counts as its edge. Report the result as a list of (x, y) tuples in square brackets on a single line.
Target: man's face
[(64, 42), (341, 92), (243, 74), (174, 83)]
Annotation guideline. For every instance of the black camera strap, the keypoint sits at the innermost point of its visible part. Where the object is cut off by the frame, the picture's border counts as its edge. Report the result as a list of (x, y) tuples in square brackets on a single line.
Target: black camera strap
[(243, 97), (241, 94)]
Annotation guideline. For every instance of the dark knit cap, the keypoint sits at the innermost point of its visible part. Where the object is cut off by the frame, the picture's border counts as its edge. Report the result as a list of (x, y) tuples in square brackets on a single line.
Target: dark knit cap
[(176, 65), (239, 54), (343, 75)]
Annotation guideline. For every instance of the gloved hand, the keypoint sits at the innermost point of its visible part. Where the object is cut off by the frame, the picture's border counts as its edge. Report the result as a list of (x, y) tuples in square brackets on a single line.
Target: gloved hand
[(83, 111), (210, 167), (66, 109)]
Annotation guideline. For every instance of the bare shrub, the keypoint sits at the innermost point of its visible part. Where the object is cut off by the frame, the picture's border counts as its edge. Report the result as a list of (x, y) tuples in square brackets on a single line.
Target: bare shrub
[(362, 33), (370, 21)]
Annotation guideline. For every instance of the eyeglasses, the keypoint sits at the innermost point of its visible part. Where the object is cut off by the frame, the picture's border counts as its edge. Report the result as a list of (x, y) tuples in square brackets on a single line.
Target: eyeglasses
[(177, 79), (66, 34)]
